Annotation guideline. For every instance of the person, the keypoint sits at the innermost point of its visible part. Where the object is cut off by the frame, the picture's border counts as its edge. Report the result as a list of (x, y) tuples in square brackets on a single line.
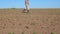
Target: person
[(27, 5)]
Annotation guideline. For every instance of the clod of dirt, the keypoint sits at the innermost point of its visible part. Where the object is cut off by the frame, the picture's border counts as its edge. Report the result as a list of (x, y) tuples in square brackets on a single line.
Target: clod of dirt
[(32, 23), (20, 24), (53, 28), (3, 27), (4, 24), (26, 27), (42, 27), (13, 24)]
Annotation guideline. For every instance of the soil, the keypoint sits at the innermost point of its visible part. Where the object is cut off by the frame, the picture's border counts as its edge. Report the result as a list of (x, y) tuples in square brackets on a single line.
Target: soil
[(40, 21)]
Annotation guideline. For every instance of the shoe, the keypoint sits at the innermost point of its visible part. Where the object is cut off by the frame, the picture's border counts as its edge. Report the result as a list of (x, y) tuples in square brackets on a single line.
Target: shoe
[(27, 11)]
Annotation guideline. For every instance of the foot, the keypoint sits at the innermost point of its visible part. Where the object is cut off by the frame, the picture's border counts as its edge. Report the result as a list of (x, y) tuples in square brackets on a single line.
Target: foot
[(27, 11)]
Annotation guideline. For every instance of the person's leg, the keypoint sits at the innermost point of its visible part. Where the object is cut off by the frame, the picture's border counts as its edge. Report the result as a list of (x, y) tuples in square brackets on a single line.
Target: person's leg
[(27, 8)]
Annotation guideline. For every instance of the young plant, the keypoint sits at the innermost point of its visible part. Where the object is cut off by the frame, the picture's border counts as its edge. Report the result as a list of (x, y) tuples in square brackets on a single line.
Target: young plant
[(12, 32), (9, 33), (22, 32), (53, 33), (34, 33)]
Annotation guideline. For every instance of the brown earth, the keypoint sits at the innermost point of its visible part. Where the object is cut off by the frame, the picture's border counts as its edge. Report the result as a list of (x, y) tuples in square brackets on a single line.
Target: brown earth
[(40, 21)]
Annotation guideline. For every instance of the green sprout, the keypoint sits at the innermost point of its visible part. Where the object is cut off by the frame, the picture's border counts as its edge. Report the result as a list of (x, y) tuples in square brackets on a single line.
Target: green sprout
[(53, 33), (9, 33), (34, 33), (22, 32)]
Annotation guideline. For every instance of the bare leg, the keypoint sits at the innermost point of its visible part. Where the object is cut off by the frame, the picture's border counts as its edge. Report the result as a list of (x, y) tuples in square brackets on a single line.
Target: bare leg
[(27, 5), (27, 8)]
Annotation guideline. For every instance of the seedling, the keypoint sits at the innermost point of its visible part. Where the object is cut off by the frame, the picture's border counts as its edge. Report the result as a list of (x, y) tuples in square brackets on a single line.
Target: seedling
[(12, 32), (34, 33), (22, 32), (53, 33), (9, 33)]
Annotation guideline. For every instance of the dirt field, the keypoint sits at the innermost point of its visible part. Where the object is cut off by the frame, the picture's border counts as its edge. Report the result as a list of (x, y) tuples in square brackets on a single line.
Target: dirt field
[(38, 21)]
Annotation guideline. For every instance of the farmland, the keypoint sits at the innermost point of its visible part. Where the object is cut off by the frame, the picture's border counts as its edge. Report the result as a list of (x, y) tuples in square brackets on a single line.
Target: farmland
[(38, 21)]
